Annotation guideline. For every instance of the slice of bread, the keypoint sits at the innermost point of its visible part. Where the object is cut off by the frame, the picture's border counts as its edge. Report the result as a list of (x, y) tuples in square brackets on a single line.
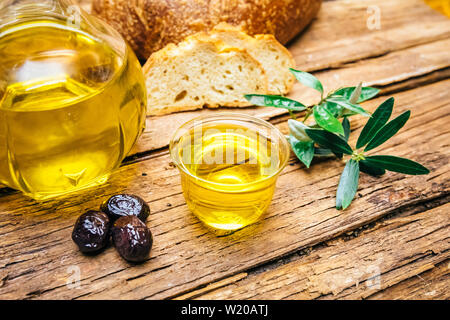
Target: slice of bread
[(275, 58), (197, 73)]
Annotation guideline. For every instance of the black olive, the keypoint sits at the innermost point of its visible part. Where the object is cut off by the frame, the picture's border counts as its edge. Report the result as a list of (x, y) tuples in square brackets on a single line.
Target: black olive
[(132, 239), (91, 231), (122, 205)]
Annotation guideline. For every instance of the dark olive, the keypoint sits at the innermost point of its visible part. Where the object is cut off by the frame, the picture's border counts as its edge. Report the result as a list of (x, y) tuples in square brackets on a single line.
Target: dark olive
[(132, 239), (122, 205), (91, 231)]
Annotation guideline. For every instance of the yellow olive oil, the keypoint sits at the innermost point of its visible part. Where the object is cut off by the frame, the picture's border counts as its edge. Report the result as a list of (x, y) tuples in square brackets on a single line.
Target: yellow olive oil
[(229, 173), (71, 107)]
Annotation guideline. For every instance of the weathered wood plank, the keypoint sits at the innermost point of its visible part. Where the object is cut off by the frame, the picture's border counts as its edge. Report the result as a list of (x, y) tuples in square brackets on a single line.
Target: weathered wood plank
[(432, 284), (392, 68), (343, 31), (396, 250), (36, 250)]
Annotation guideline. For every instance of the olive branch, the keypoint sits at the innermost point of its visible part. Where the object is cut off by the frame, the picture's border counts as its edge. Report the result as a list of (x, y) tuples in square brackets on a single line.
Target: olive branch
[(326, 135)]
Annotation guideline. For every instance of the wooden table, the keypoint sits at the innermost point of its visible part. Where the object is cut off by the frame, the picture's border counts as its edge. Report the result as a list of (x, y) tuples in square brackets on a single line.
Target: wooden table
[(392, 243)]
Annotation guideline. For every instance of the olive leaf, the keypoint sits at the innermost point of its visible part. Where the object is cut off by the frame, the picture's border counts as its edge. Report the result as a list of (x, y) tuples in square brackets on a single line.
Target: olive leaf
[(378, 120), (304, 150), (335, 109), (367, 93), (356, 94), (308, 80), (326, 120), (343, 102), (348, 184), (346, 126), (275, 101), (297, 130), (329, 141), (366, 167), (397, 164), (388, 131), (321, 152)]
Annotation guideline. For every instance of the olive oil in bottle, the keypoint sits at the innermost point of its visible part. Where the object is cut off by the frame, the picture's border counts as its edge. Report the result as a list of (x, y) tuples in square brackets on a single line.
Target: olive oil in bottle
[(71, 107)]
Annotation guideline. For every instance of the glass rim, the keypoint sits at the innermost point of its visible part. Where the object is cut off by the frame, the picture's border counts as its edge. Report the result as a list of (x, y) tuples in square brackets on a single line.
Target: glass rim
[(220, 117)]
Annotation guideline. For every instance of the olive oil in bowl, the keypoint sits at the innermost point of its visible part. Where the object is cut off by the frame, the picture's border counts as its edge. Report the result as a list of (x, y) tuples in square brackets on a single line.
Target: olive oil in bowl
[(229, 164), (71, 107)]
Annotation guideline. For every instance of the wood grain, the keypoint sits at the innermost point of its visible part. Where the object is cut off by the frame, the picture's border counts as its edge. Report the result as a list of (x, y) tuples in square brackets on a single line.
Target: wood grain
[(395, 250), (36, 251)]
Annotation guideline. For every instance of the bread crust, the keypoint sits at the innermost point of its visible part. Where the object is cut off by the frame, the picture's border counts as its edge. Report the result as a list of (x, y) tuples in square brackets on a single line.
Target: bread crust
[(149, 25)]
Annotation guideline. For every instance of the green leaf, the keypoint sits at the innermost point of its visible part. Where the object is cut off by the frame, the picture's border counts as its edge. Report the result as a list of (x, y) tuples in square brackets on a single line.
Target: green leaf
[(307, 79), (304, 150), (335, 109), (367, 93), (326, 120), (343, 102), (356, 94), (338, 154), (378, 120), (397, 164), (297, 130), (321, 152), (346, 126), (348, 185), (329, 140), (365, 167), (388, 131), (275, 101)]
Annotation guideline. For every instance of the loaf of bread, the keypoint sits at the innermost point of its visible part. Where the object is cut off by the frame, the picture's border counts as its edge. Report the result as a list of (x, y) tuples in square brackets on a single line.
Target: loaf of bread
[(149, 25), (197, 73)]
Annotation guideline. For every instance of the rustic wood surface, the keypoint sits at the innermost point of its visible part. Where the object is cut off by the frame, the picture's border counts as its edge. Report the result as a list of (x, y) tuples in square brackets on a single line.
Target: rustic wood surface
[(388, 253), (391, 243)]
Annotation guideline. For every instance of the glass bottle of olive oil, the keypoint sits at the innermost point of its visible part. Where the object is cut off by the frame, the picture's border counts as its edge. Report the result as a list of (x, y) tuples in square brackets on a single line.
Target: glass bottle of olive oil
[(72, 99)]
